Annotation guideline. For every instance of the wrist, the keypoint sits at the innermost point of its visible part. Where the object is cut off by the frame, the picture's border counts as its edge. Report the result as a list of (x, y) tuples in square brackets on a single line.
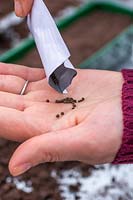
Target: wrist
[(125, 153)]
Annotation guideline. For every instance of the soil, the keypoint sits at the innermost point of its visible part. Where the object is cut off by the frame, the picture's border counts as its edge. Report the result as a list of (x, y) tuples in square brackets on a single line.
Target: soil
[(83, 38), (120, 54), (86, 36), (45, 186), (20, 31)]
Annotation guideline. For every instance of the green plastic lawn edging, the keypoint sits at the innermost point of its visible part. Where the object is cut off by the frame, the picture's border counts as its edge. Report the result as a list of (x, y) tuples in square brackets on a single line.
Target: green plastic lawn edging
[(115, 7), (89, 61), (28, 44)]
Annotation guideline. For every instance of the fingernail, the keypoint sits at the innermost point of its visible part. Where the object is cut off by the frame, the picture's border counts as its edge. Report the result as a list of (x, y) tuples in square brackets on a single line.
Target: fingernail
[(18, 8), (20, 169)]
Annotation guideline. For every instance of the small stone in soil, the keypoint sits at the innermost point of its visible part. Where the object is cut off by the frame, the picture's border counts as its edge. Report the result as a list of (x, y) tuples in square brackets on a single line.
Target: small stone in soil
[(113, 180), (74, 188), (77, 197)]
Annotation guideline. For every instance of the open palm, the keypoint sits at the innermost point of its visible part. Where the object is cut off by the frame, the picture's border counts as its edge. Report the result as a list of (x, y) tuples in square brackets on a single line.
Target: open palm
[(96, 123)]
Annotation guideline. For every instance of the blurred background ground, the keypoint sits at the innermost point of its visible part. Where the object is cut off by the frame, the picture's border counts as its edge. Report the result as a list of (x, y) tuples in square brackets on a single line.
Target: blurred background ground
[(69, 180)]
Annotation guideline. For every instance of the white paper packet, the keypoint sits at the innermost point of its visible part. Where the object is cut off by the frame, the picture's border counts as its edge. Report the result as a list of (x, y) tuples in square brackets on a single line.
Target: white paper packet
[(52, 49)]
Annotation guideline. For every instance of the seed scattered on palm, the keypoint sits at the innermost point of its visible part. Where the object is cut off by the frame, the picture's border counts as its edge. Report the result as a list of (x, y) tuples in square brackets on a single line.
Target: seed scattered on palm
[(81, 100), (47, 101), (67, 100), (57, 116)]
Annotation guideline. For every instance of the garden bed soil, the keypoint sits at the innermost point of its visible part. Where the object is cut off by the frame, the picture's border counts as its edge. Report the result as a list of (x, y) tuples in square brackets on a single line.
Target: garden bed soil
[(15, 33), (86, 36)]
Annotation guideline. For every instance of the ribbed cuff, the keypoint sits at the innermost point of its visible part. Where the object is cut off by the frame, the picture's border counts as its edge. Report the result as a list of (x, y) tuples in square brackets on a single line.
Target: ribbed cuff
[(125, 153)]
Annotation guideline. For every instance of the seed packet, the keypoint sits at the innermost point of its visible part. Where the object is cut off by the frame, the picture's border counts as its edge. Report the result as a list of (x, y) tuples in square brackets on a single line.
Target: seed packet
[(52, 49)]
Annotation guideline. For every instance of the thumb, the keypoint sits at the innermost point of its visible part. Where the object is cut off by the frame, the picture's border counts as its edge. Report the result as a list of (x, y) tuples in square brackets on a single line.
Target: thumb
[(23, 7), (50, 147)]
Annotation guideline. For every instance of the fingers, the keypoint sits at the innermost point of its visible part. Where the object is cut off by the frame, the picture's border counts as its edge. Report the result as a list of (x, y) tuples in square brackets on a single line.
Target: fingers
[(51, 147), (11, 84), (13, 125), (27, 73), (12, 101), (22, 7)]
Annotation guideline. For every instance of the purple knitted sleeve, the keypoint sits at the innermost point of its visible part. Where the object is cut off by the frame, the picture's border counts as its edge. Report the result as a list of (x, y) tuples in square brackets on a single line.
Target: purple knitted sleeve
[(125, 153)]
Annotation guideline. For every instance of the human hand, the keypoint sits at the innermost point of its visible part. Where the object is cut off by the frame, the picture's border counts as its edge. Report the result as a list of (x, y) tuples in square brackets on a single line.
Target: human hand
[(91, 133), (23, 7)]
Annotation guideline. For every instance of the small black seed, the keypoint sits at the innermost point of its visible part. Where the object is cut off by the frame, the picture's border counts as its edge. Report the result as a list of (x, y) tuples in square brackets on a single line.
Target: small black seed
[(58, 101), (74, 105), (57, 116), (47, 101), (62, 113), (81, 100)]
